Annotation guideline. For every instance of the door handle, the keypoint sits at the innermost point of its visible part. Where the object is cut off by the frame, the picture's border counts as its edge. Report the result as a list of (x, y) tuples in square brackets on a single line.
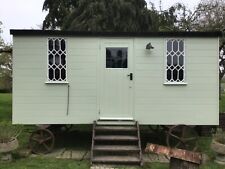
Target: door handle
[(131, 76)]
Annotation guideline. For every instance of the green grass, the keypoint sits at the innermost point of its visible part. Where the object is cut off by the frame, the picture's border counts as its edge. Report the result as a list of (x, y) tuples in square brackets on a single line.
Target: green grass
[(44, 163), (52, 163), (204, 146), (5, 107), (222, 103)]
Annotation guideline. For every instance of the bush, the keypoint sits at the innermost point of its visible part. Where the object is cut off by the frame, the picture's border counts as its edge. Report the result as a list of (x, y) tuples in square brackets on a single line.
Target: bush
[(9, 131), (219, 136), (5, 91)]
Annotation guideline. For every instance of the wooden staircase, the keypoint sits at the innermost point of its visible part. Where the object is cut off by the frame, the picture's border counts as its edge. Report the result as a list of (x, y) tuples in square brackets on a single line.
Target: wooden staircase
[(114, 143)]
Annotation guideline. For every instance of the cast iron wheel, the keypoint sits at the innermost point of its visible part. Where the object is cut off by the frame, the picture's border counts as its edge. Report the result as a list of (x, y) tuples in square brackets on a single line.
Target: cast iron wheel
[(182, 136), (42, 141)]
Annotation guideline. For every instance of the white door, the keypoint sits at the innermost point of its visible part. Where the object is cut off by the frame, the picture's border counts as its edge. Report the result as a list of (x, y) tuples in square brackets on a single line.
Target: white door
[(116, 89)]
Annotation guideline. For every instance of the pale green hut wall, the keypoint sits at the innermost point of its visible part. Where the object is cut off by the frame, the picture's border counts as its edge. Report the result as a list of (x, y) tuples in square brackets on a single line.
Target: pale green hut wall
[(197, 102), (35, 102)]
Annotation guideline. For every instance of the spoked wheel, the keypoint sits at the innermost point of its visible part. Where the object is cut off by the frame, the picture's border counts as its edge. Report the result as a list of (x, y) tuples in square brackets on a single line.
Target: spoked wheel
[(42, 141), (182, 136)]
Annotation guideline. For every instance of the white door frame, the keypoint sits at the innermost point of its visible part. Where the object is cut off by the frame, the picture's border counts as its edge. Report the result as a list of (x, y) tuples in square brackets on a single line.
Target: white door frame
[(114, 42)]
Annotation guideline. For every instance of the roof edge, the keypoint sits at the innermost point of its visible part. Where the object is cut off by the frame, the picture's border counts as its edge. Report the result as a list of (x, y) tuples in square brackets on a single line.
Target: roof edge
[(33, 32)]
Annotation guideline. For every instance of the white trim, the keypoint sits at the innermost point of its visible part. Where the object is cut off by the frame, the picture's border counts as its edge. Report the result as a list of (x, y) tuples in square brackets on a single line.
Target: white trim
[(56, 82), (115, 43), (116, 47), (116, 118), (66, 54), (175, 83), (165, 63)]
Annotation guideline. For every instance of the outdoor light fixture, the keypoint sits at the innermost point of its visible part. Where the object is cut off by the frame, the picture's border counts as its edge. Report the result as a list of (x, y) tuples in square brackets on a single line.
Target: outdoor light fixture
[(149, 46)]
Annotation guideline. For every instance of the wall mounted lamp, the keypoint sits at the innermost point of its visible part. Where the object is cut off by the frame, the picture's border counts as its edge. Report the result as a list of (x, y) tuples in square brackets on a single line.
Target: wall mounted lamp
[(149, 46)]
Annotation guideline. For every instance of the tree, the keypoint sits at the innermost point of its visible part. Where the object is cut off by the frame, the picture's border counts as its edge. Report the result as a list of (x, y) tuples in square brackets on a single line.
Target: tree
[(5, 65), (101, 15), (57, 11), (210, 16)]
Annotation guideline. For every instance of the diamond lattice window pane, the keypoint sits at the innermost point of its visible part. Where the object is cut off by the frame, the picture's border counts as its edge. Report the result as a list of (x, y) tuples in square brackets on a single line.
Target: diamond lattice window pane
[(175, 61), (56, 59), (169, 60)]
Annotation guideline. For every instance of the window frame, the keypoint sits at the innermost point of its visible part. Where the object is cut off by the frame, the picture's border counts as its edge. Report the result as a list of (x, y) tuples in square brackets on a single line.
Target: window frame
[(165, 63), (115, 67), (57, 81)]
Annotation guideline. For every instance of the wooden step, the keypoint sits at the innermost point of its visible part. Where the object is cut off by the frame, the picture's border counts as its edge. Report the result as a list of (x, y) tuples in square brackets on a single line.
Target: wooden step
[(122, 147), (115, 128), (116, 159), (115, 122), (116, 137), (116, 148)]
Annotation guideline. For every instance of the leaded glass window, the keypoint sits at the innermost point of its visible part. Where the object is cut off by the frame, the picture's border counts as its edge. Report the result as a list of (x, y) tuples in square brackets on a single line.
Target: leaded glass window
[(175, 56), (56, 59)]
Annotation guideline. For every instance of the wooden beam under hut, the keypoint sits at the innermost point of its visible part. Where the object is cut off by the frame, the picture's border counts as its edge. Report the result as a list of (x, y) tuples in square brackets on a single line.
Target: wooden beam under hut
[(179, 158)]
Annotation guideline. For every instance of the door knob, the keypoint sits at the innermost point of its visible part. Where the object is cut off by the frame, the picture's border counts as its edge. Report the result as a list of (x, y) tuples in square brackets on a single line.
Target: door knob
[(131, 76)]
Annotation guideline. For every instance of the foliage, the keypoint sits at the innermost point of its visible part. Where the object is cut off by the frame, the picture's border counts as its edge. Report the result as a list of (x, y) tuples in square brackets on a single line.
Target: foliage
[(178, 18), (207, 16), (5, 65), (57, 11), (210, 15), (204, 144), (222, 103), (9, 131), (6, 70), (102, 15), (219, 136), (5, 107)]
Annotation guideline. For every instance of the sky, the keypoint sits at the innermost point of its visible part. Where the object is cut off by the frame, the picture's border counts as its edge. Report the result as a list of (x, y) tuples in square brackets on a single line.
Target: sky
[(28, 14)]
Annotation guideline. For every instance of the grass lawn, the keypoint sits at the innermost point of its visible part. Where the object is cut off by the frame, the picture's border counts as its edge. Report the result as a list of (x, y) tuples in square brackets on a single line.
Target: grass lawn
[(222, 103), (5, 107), (52, 163)]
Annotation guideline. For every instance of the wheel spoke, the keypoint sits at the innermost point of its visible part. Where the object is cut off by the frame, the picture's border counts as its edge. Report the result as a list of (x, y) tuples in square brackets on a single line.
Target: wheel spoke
[(178, 144), (189, 139), (178, 138), (182, 136), (42, 141), (35, 139), (46, 146), (48, 138), (183, 131)]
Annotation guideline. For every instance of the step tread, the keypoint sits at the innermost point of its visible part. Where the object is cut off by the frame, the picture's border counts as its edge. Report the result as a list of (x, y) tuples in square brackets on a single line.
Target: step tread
[(115, 122), (121, 159), (116, 148), (116, 128), (116, 137)]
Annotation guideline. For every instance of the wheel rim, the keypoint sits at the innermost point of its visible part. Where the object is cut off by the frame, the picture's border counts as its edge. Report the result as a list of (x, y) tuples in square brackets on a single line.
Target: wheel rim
[(182, 136), (42, 141)]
